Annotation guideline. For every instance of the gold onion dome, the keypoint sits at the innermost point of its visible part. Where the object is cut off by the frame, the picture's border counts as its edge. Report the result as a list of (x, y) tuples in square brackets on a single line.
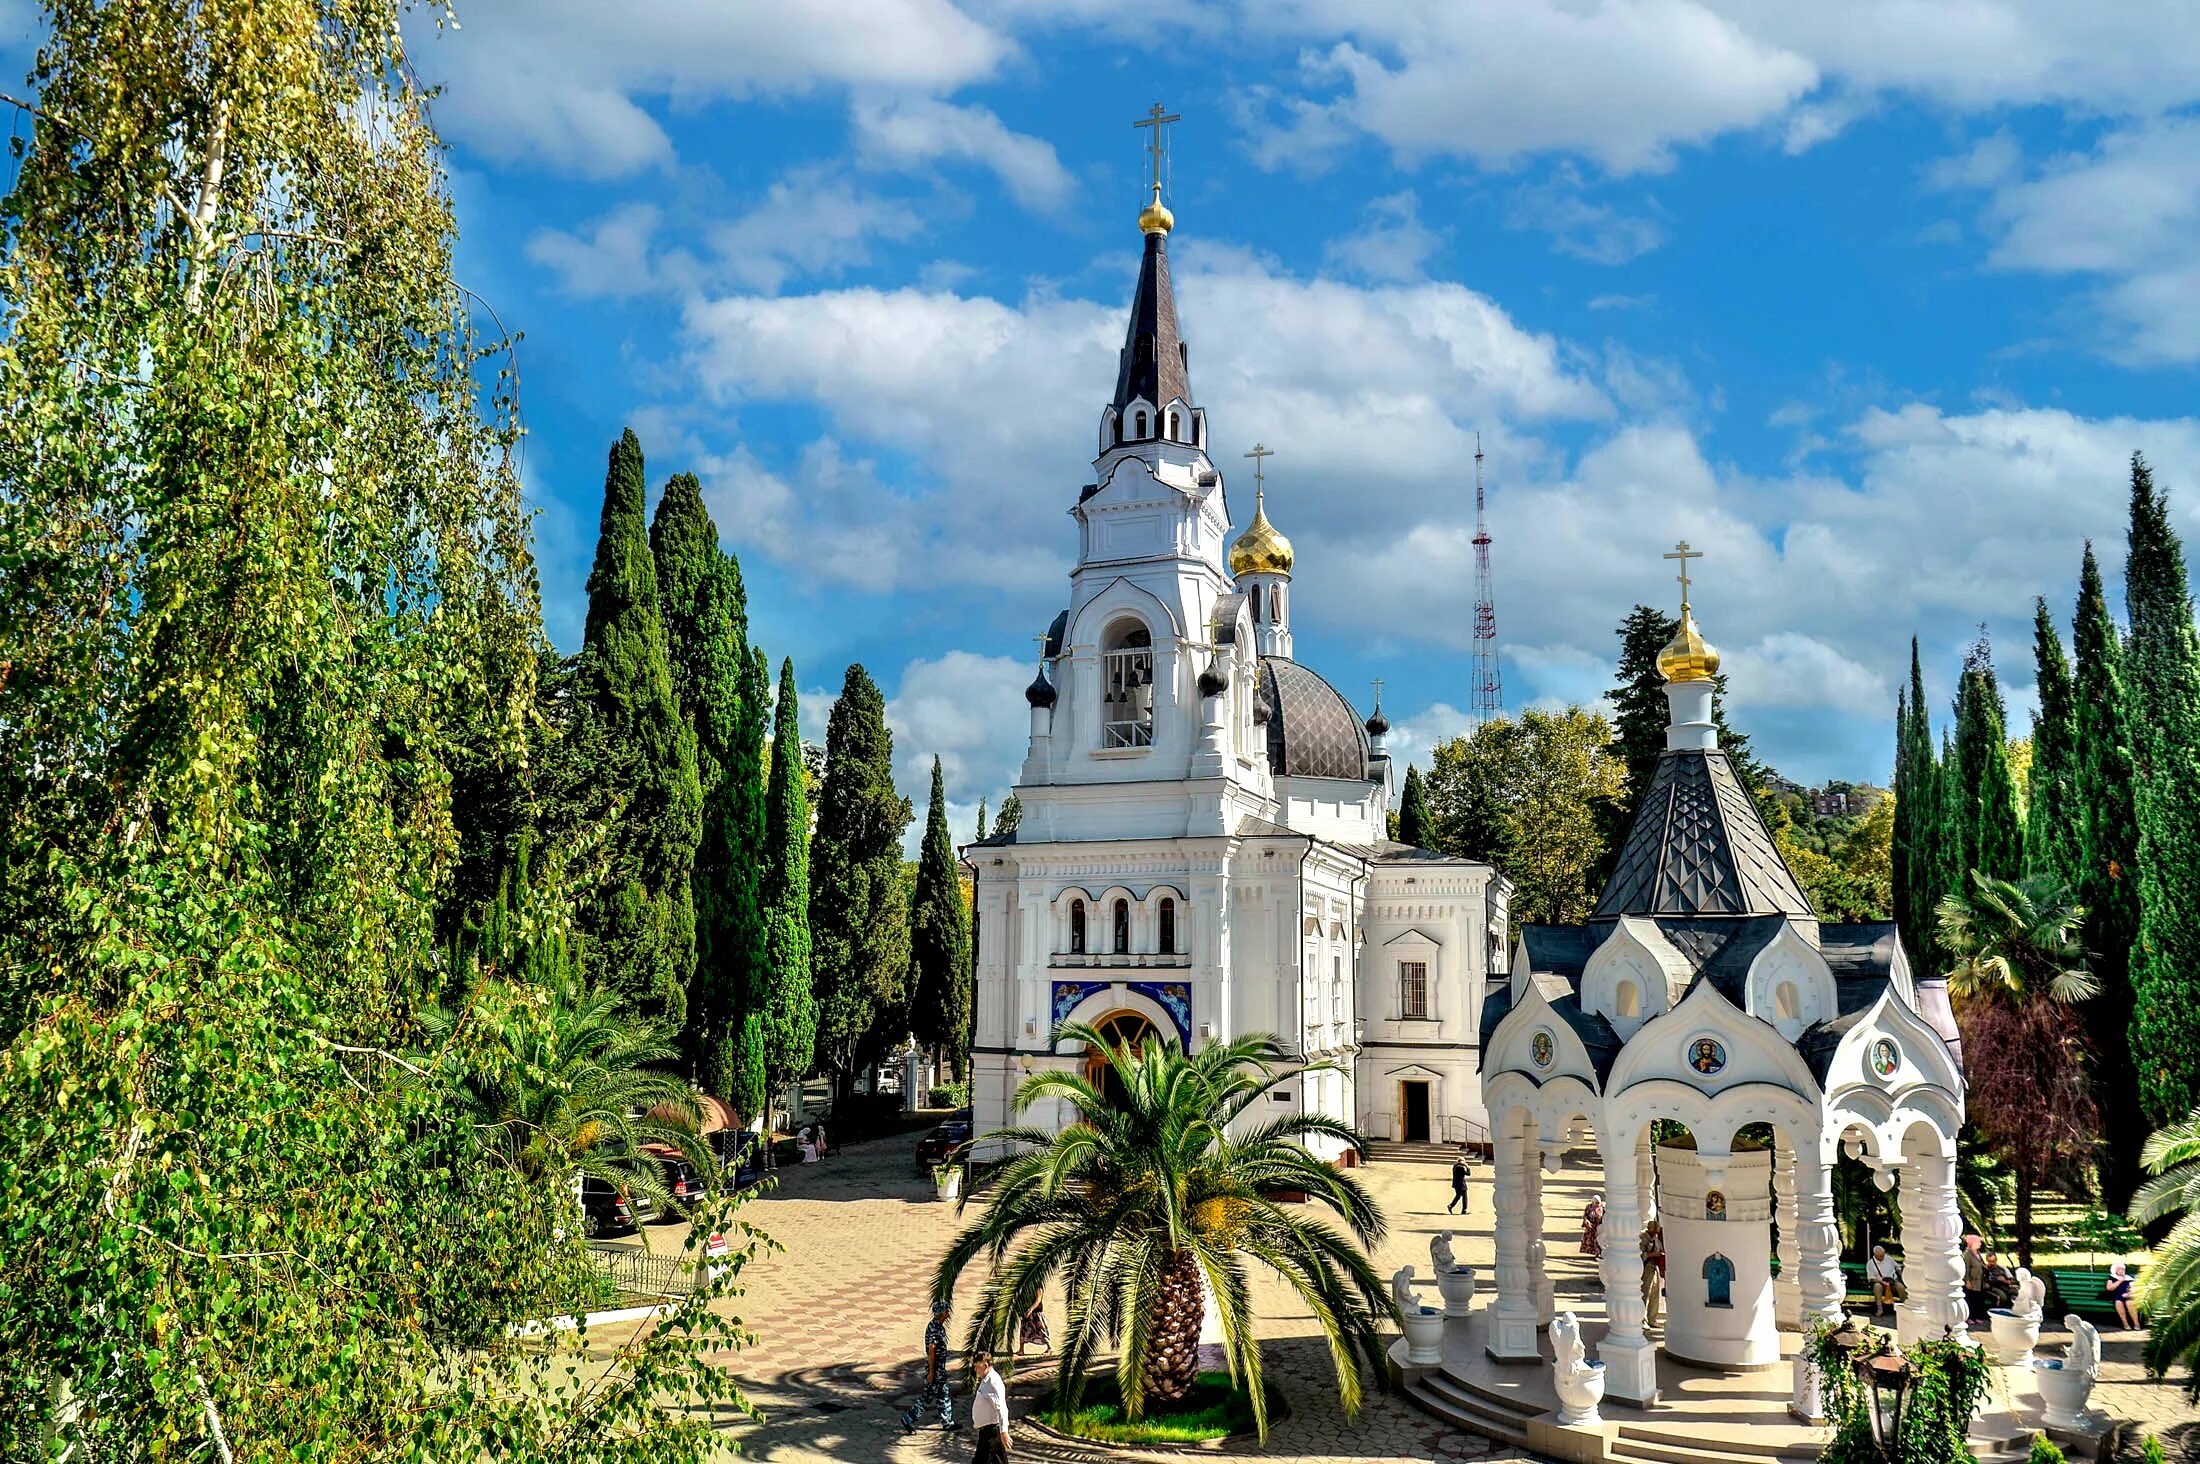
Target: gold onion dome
[(1155, 217), (1688, 656), (1260, 549)]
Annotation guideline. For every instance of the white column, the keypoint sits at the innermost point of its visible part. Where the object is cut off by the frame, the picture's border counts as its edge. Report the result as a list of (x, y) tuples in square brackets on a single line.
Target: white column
[(1932, 1251), (1787, 1288), (1538, 1264), (1512, 1320), (1817, 1237), (1630, 1360)]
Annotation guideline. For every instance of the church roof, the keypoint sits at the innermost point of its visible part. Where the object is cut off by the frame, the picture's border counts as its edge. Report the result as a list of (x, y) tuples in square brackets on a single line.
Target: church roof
[(1153, 365), (1721, 950), (1313, 731), (1699, 847)]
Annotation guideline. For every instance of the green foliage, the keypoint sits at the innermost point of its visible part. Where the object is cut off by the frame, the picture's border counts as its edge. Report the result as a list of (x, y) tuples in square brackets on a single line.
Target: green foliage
[(2169, 1286), (1415, 825), (1158, 1195), (2044, 1451), (2106, 878), (1988, 834), (1215, 1408), (859, 901), (1011, 816), (789, 1005), (2163, 714), (722, 690), (270, 639), (1948, 1380), (1856, 880), (1915, 857), (939, 940), (641, 921), (2054, 835), (1530, 796)]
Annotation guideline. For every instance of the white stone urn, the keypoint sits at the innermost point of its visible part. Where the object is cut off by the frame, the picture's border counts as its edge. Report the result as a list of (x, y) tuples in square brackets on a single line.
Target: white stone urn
[(2016, 1327), (1423, 1325), (1457, 1286), (949, 1178), (2066, 1384), (1579, 1382)]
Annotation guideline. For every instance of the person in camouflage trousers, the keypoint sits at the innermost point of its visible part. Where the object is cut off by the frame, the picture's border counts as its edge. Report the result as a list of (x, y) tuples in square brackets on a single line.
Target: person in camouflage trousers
[(935, 1396)]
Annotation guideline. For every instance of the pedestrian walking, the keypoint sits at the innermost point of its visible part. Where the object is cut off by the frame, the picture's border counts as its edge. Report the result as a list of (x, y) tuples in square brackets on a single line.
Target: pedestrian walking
[(935, 1397), (1458, 1183), (1034, 1333), (1653, 1271), (1592, 1227), (1974, 1278), (989, 1412)]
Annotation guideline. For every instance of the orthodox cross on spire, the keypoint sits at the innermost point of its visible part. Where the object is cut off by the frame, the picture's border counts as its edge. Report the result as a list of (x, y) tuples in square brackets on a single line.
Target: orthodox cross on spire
[(1260, 452), (1157, 145), (1683, 553)]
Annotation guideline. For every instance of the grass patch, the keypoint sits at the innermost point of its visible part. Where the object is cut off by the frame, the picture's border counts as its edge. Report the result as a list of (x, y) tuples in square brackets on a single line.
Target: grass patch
[(1213, 1409)]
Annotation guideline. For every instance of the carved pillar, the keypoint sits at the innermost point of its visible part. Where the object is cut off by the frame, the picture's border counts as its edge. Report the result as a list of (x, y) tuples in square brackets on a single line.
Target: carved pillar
[(1512, 1320), (1817, 1237), (1932, 1251), (1629, 1357), (1538, 1264), (1787, 1287)]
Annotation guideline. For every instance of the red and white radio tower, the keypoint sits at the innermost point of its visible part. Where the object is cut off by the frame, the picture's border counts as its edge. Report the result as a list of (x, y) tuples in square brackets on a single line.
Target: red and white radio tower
[(1489, 686)]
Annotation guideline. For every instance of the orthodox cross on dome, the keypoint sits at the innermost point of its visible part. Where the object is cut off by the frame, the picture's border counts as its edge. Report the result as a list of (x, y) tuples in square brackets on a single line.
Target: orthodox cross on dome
[(1378, 693), (1157, 145), (1260, 453), (1041, 640), (1683, 553)]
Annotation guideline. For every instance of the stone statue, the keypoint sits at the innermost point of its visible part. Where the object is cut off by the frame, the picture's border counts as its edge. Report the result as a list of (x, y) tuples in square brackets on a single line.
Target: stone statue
[(2064, 1383), (1401, 1292), (2085, 1347), (1439, 1253), (1578, 1382), (2031, 1298)]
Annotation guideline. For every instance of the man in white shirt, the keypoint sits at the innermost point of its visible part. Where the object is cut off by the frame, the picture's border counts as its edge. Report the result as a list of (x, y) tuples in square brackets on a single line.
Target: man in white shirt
[(989, 1412), (1885, 1274)]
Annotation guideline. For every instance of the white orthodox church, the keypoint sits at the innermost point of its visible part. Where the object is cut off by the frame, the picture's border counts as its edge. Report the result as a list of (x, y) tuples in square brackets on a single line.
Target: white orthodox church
[(1203, 851)]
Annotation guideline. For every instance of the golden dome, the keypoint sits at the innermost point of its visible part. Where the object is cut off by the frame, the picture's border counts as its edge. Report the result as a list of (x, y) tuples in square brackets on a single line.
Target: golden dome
[(1260, 549), (1155, 217), (1688, 656)]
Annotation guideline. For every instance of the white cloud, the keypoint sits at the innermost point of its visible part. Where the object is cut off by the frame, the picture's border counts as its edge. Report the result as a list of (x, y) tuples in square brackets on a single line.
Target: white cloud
[(1990, 161), (610, 258), (1597, 232), (1391, 245), (967, 710), (899, 133), (809, 222), (565, 82), (1413, 739), (1789, 669)]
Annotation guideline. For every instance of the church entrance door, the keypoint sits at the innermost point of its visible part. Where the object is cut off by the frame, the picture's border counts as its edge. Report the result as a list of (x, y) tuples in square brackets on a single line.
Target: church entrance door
[(1121, 1029), (1413, 1103)]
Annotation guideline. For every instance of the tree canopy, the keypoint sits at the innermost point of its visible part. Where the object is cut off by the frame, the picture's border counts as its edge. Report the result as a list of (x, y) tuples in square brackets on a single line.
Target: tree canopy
[(1530, 796)]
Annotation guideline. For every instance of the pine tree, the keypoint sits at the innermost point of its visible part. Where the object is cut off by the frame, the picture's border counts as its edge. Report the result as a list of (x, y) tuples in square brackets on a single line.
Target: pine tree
[(2054, 836), (2106, 875), (1413, 819), (1010, 818), (939, 940), (1989, 831), (2163, 699), (859, 914), (706, 638), (642, 922), (783, 1026)]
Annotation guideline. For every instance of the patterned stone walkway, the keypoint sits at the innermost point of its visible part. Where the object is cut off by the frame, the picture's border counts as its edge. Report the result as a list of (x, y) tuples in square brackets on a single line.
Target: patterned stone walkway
[(839, 1314)]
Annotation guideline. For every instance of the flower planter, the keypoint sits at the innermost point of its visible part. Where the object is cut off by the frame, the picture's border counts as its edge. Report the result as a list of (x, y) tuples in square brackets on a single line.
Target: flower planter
[(2013, 1334), (1457, 1286), (1424, 1337), (950, 1185)]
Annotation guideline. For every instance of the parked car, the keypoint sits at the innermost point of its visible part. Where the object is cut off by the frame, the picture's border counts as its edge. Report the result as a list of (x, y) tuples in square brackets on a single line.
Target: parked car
[(613, 1209), (682, 1181), (943, 1142)]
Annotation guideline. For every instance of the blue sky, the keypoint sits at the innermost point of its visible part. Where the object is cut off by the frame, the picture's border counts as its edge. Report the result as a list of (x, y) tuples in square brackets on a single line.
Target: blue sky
[(1870, 302)]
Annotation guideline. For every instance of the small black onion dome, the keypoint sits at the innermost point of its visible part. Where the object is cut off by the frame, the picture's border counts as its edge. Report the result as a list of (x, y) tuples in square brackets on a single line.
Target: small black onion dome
[(1215, 680), (1264, 706), (1041, 691), (1378, 724)]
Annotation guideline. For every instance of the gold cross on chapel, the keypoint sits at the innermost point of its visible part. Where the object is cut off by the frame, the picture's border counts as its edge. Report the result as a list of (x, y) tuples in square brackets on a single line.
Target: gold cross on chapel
[(1683, 553), (1157, 119), (1259, 453)]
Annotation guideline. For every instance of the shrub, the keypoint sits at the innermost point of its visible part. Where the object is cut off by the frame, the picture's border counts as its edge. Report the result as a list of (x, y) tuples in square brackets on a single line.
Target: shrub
[(2044, 1452)]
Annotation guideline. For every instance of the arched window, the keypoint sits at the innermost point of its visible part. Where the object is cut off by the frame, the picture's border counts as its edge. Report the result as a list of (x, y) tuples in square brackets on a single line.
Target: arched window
[(1786, 1002), (1254, 595), (1629, 1002), (1126, 687), (1077, 927), (1275, 604), (1139, 429), (1168, 926), (1176, 429), (1122, 927), (1126, 1030)]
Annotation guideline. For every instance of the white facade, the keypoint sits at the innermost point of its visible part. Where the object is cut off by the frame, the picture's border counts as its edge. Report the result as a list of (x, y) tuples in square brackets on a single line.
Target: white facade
[(1203, 849)]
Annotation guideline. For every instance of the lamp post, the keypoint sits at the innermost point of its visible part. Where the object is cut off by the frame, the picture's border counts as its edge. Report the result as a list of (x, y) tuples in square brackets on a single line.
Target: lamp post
[(1889, 1376)]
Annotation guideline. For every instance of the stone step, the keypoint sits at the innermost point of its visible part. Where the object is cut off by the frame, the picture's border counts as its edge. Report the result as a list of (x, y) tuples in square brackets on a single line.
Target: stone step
[(1396, 1151), (1664, 1451), (1440, 1395), (1648, 1435), (1492, 1398)]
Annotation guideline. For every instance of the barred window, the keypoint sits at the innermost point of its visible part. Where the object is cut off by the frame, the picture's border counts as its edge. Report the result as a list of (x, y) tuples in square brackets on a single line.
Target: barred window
[(1413, 990)]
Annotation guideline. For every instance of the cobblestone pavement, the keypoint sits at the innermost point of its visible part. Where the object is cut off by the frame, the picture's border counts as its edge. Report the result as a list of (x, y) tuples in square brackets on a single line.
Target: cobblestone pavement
[(839, 1315)]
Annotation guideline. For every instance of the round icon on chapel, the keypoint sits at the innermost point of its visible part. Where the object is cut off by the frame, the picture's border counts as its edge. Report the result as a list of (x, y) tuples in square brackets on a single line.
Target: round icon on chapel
[(1707, 1055), (1886, 1059), (1542, 1049)]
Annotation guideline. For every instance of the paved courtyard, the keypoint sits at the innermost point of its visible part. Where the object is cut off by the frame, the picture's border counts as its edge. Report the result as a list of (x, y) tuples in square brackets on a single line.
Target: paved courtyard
[(839, 1315)]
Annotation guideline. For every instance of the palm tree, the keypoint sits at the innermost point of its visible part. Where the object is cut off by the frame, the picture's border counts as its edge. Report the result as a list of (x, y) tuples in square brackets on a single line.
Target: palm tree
[(2017, 974), (2169, 1288), (1149, 1201), (565, 1084)]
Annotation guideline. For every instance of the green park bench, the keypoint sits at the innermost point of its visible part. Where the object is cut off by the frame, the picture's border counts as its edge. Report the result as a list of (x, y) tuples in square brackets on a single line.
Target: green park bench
[(2084, 1290)]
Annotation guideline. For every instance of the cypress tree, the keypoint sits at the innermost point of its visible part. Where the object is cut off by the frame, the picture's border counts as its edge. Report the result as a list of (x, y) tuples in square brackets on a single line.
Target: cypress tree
[(2053, 834), (2106, 876), (783, 1025), (1954, 817), (1413, 820), (981, 821), (641, 922), (1010, 818), (939, 940), (1917, 871), (2163, 699), (1989, 831), (859, 914)]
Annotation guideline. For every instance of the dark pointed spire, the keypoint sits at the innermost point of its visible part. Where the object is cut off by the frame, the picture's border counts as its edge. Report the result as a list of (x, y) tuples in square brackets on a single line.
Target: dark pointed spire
[(1153, 364)]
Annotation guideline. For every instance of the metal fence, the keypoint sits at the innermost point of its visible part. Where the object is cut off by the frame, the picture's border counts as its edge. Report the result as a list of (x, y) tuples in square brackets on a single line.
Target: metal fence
[(634, 1270)]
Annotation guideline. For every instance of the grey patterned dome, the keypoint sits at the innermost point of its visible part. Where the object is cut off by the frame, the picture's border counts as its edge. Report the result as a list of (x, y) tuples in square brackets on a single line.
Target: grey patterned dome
[(1313, 731)]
